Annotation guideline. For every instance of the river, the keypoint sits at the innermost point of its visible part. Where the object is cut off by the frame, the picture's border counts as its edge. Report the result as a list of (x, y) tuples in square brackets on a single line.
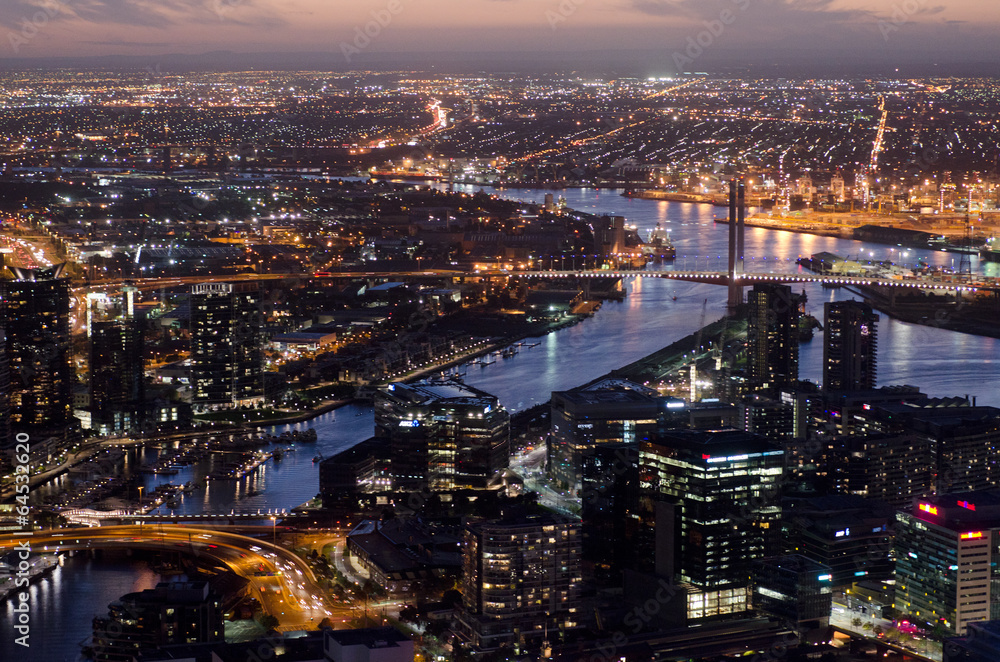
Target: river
[(941, 362)]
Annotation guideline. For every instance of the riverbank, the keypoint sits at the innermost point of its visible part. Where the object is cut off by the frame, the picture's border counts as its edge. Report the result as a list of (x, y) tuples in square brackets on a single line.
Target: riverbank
[(952, 317), (800, 226), (679, 353)]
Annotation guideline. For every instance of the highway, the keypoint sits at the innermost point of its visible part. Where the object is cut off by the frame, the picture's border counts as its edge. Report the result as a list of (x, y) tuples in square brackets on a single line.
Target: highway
[(289, 591)]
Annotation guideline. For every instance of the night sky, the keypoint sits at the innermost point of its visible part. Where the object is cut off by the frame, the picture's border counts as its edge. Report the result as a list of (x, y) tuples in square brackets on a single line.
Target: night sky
[(889, 32)]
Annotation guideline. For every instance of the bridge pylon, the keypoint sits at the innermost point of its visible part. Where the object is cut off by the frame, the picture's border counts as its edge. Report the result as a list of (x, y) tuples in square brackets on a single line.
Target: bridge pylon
[(737, 214)]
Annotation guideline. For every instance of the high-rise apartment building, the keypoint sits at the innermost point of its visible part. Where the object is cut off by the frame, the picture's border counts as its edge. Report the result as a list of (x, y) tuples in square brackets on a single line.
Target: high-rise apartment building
[(171, 613), (772, 337), (521, 581), (850, 344), (38, 356), (117, 379), (227, 360)]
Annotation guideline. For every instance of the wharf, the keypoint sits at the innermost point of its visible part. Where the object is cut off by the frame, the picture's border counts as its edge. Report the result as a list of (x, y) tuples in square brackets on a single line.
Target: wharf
[(41, 566)]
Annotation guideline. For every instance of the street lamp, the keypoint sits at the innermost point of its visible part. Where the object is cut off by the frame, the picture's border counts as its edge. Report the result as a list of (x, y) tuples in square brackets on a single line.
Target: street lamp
[(140, 507)]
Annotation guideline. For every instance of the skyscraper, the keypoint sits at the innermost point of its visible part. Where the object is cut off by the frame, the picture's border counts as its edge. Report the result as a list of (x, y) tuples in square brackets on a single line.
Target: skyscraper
[(5, 437), (772, 337), (714, 501), (521, 578), (117, 380), (227, 360), (38, 355), (849, 347)]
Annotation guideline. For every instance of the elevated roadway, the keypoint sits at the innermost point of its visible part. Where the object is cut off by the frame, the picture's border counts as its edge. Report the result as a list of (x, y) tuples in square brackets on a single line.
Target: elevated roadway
[(974, 284), (283, 582)]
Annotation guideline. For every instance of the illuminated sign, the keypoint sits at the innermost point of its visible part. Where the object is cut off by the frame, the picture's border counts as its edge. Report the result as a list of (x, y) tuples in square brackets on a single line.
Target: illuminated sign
[(675, 405), (966, 504), (972, 535), (409, 424), (825, 578), (928, 508), (841, 534)]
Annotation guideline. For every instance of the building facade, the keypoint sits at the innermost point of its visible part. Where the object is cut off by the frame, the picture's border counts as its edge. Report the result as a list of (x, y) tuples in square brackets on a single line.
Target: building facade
[(442, 435), (38, 356), (772, 337), (611, 411), (521, 582), (117, 378), (713, 499), (948, 559), (227, 360), (850, 344)]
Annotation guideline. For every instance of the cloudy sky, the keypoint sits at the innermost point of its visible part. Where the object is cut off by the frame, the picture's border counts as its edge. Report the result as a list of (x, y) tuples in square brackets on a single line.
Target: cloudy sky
[(889, 30)]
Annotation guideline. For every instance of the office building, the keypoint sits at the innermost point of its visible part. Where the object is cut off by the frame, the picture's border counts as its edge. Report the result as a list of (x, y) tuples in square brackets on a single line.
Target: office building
[(521, 582), (227, 368), (850, 343), (851, 412), (353, 471), (795, 589), (609, 411), (851, 535), (948, 559), (610, 508), (171, 613), (405, 554), (772, 337), (442, 435), (713, 500), (117, 378), (38, 356)]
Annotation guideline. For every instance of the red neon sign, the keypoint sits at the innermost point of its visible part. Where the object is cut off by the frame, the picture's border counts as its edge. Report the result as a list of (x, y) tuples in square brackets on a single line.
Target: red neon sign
[(966, 504), (928, 508), (971, 535)]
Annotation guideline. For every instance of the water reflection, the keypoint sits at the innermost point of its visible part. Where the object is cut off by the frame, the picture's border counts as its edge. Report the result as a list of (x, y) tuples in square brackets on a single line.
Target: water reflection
[(655, 313)]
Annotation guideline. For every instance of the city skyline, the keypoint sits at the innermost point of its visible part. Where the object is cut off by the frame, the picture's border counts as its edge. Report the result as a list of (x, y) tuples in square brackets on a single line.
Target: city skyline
[(651, 37), (549, 366)]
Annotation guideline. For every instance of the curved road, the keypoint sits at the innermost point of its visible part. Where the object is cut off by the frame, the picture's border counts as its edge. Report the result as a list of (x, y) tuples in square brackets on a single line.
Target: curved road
[(289, 591)]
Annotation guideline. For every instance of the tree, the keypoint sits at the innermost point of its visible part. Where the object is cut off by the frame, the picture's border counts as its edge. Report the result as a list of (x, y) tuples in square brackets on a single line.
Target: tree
[(269, 622)]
